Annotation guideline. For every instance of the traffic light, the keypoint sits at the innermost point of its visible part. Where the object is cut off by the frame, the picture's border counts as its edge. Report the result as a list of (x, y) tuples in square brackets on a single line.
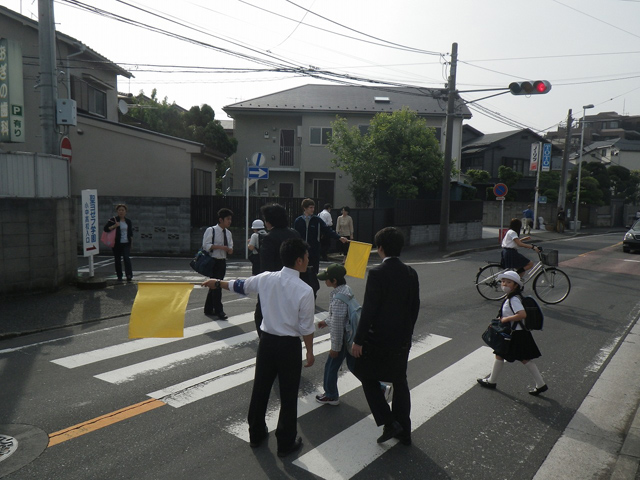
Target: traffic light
[(532, 87)]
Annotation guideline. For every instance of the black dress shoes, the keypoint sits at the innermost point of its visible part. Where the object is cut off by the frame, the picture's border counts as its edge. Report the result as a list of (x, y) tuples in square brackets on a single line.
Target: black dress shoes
[(222, 316), (389, 431), (404, 438), (256, 441), (484, 382), (297, 445), (538, 390)]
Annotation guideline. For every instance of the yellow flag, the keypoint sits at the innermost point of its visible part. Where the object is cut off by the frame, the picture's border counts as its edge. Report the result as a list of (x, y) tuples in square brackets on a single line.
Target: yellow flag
[(158, 310), (357, 259)]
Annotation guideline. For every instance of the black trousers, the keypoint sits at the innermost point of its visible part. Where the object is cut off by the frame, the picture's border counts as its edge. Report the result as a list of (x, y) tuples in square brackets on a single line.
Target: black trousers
[(121, 252), (390, 367), (213, 304), (281, 358)]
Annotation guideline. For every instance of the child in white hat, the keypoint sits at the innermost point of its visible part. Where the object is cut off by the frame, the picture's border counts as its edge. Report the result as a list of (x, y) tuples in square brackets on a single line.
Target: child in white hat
[(254, 245), (522, 346)]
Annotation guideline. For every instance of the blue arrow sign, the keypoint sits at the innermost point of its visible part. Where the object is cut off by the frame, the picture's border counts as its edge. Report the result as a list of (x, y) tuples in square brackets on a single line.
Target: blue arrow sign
[(260, 173), (546, 157)]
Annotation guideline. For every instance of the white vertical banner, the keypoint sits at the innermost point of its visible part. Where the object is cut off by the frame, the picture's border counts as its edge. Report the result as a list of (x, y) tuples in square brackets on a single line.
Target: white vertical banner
[(535, 156), (90, 225)]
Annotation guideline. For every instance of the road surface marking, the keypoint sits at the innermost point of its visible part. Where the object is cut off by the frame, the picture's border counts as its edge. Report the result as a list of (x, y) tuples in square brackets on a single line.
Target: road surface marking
[(97, 423), (106, 353), (329, 461), (346, 383)]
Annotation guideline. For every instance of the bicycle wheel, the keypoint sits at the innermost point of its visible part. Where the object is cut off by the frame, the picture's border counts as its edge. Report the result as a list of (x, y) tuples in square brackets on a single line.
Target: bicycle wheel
[(487, 282), (552, 285)]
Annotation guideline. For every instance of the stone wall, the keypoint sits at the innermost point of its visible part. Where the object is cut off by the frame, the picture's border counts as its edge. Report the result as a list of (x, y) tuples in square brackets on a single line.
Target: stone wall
[(429, 234), (38, 248)]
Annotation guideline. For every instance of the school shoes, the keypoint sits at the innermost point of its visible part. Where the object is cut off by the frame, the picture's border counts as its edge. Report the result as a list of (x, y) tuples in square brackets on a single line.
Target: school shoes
[(324, 400), (222, 315), (389, 431), (297, 445), (538, 390), (484, 382)]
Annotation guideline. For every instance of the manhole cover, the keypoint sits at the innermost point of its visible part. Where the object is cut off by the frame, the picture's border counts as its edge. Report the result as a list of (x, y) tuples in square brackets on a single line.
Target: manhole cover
[(8, 445)]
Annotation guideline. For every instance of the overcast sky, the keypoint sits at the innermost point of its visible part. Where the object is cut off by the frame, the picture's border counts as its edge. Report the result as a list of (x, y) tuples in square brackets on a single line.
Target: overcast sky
[(588, 49)]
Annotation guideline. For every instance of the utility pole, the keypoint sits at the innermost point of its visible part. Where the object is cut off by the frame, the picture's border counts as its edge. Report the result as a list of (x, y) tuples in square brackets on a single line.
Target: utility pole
[(562, 193), (448, 150), (48, 81)]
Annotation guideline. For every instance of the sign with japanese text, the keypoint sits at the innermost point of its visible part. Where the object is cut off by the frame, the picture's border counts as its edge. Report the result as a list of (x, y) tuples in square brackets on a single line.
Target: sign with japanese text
[(90, 226), (546, 157), (535, 157), (12, 126)]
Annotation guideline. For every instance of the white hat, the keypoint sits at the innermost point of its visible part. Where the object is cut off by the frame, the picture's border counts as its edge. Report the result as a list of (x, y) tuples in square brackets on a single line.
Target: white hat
[(257, 224), (513, 276)]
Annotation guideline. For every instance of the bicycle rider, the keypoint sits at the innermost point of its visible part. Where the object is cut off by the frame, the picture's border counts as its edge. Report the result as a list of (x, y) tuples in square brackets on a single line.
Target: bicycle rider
[(511, 258)]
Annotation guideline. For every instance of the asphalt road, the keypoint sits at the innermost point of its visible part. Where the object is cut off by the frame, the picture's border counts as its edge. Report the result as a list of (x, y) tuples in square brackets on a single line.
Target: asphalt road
[(186, 400)]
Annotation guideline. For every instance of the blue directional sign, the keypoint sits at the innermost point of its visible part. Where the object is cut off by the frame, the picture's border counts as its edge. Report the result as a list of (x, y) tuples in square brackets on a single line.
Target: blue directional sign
[(259, 173), (546, 157)]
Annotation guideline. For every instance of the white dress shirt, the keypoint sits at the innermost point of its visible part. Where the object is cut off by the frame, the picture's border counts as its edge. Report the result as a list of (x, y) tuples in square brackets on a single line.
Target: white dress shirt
[(325, 216), (287, 302), (213, 236)]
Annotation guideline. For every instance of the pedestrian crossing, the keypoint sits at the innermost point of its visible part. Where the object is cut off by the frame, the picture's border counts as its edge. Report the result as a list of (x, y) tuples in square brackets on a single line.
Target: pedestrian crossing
[(325, 460)]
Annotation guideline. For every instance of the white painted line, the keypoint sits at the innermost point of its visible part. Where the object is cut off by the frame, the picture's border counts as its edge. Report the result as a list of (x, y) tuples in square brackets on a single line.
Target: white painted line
[(166, 362), (329, 460), (80, 359), (221, 380), (346, 383)]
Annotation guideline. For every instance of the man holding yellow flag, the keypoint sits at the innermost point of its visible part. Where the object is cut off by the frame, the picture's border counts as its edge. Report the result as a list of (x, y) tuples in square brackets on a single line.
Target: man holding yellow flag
[(288, 308)]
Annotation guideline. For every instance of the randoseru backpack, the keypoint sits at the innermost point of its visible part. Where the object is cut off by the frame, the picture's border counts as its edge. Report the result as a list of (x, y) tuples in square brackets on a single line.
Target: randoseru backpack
[(535, 317), (355, 310)]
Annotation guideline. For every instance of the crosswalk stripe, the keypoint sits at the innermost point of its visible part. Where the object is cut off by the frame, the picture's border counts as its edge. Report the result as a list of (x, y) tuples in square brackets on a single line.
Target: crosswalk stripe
[(329, 461), (106, 353), (221, 380), (346, 383)]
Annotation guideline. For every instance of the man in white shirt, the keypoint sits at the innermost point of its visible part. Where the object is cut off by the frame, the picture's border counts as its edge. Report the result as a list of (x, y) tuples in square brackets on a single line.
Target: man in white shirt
[(325, 241), (288, 308), (219, 242)]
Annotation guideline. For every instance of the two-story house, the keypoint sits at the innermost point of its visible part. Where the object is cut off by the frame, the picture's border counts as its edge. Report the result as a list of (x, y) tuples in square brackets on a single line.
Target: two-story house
[(291, 129)]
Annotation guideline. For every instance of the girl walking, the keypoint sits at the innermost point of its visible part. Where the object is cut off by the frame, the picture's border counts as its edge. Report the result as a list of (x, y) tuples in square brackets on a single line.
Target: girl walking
[(522, 346)]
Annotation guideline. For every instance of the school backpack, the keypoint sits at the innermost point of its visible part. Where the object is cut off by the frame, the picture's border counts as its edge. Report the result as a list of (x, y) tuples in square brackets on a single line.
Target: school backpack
[(535, 317), (355, 310)]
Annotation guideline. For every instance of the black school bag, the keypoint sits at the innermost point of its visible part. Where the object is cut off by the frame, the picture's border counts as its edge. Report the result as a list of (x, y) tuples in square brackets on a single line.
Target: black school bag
[(535, 317)]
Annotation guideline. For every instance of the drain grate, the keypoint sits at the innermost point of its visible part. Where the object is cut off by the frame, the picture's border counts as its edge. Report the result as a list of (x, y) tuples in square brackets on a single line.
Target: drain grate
[(8, 445)]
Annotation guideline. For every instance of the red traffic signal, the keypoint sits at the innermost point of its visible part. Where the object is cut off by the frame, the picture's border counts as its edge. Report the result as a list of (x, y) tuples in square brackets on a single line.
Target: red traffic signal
[(532, 87)]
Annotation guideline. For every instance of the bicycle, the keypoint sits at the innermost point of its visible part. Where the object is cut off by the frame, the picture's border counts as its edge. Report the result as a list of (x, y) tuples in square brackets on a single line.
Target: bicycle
[(550, 284)]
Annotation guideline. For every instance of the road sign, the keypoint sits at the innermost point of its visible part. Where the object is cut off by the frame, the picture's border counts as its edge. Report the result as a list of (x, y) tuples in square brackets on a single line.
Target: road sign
[(500, 190), (542, 199), (258, 159), (260, 173), (65, 148), (546, 157), (535, 157)]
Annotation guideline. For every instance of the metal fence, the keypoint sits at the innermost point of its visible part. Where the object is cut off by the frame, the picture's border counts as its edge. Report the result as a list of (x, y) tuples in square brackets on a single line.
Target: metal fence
[(366, 221)]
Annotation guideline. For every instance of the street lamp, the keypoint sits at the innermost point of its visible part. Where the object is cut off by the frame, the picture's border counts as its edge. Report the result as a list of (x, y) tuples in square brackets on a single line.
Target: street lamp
[(575, 217)]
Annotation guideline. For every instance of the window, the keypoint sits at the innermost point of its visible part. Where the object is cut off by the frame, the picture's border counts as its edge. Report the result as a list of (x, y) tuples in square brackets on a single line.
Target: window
[(286, 190), (89, 98), (476, 163), (201, 182), (319, 135)]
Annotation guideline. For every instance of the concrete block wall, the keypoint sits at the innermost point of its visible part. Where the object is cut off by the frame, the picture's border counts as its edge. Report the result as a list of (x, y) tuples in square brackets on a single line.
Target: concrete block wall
[(430, 234), (161, 225), (37, 244)]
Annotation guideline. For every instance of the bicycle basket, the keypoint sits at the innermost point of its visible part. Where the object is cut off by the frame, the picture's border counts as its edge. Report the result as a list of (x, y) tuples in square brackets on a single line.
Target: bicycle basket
[(549, 257)]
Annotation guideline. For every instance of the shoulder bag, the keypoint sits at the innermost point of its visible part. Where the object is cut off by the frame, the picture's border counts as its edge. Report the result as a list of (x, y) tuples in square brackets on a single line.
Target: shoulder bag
[(109, 238)]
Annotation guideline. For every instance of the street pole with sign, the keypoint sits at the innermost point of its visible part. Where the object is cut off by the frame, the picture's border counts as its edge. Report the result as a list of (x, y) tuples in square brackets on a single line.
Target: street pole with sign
[(500, 191)]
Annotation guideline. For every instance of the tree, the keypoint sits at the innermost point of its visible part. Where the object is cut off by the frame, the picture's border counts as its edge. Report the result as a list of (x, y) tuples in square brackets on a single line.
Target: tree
[(399, 152), (478, 176), (549, 185)]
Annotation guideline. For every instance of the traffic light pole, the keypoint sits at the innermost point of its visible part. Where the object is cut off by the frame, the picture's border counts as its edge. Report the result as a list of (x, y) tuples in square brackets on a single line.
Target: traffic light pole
[(448, 150)]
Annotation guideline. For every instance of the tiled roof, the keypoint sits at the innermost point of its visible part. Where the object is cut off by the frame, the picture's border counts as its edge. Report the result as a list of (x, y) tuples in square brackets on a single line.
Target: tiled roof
[(350, 99)]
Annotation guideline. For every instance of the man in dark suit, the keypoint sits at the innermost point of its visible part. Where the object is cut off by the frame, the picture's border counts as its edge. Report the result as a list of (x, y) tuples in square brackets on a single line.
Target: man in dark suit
[(277, 223), (383, 339)]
